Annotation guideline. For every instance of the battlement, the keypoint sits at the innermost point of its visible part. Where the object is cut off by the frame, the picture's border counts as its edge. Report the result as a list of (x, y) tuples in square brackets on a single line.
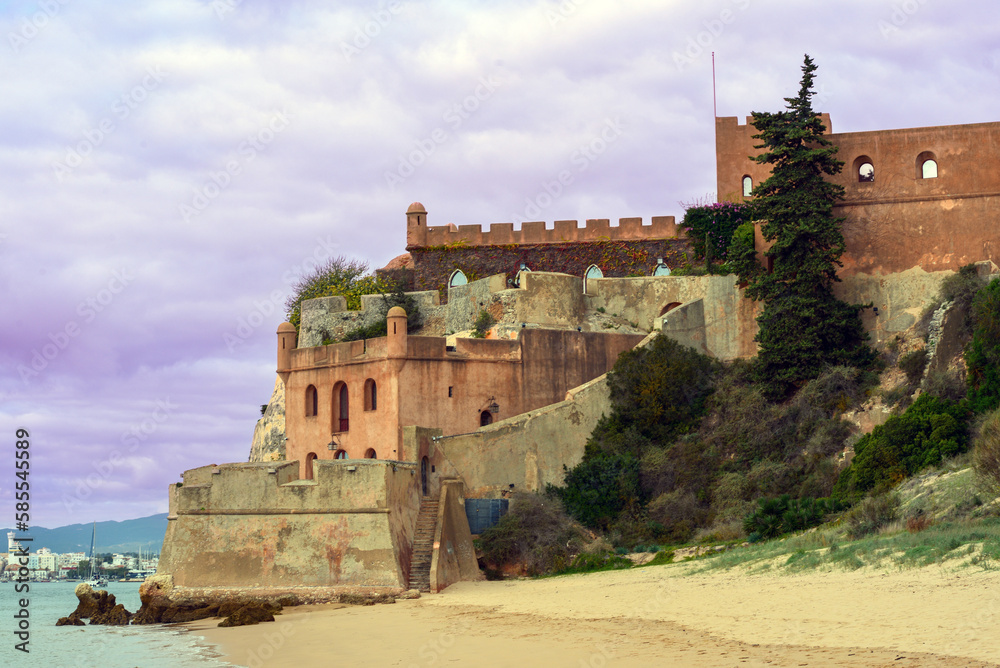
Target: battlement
[(419, 234)]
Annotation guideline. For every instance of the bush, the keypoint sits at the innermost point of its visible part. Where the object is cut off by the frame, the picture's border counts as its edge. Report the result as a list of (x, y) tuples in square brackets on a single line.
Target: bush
[(600, 488), (913, 365), (986, 454), (982, 356), (536, 534), (872, 514), (715, 223), (339, 276), (774, 517), (962, 286), (659, 389), (482, 325), (680, 513), (589, 562), (930, 430)]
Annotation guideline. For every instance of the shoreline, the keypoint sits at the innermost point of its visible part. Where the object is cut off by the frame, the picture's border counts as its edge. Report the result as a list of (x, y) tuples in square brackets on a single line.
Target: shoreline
[(655, 615)]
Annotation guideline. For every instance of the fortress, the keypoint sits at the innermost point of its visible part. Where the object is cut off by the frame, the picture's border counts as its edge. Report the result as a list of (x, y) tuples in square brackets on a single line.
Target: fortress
[(369, 450)]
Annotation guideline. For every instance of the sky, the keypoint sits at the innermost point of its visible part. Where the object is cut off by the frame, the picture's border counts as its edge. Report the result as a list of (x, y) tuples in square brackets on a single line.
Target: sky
[(169, 168)]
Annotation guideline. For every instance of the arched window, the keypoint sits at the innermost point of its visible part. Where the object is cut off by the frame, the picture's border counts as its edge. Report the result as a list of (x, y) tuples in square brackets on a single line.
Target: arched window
[(593, 271), (340, 454), (747, 186), (864, 167), (485, 418), (371, 395), (927, 167), (370, 453), (661, 268), (458, 277), (312, 401), (341, 407), (309, 466)]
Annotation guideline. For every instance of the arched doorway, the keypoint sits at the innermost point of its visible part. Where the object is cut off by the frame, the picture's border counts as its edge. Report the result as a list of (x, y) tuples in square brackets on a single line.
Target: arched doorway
[(308, 475), (370, 454), (485, 418), (341, 408), (424, 487), (340, 454)]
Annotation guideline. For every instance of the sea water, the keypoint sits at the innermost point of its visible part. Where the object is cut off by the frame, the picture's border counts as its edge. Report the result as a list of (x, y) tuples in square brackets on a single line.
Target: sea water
[(148, 646)]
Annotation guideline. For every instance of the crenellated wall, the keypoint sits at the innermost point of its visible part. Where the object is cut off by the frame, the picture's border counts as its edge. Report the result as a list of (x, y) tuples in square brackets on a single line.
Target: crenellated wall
[(561, 231)]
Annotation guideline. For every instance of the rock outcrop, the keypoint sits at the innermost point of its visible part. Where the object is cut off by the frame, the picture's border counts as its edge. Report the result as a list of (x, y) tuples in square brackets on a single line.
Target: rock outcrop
[(269, 434), (97, 606), (163, 604)]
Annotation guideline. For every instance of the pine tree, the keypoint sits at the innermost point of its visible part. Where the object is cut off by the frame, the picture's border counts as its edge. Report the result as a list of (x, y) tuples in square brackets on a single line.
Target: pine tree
[(803, 327)]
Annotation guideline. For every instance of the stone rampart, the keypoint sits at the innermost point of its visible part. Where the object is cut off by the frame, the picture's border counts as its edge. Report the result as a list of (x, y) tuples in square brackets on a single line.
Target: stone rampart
[(501, 234), (258, 525)]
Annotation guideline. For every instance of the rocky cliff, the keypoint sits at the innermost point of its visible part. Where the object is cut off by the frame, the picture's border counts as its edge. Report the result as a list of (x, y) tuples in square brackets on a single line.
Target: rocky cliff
[(269, 434)]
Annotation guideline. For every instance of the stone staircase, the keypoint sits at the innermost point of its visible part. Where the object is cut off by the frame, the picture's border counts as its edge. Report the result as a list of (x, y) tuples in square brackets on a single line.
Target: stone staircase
[(423, 545)]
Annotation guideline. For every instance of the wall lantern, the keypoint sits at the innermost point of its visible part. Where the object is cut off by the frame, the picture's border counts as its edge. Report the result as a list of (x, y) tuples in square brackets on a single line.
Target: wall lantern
[(333, 444), (494, 407)]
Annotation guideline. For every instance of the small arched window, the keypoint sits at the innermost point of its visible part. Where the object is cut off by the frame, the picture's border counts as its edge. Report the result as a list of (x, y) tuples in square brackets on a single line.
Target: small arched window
[(309, 466), (927, 167), (864, 167), (370, 453), (312, 401), (371, 395), (747, 186), (485, 418), (457, 277), (661, 268), (340, 454), (593, 271), (341, 407)]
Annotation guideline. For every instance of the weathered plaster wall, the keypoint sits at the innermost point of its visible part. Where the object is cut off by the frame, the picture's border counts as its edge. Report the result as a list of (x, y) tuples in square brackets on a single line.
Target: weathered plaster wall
[(243, 525), (528, 450), (899, 220), (685, 324), (329, 317), (454, 557)]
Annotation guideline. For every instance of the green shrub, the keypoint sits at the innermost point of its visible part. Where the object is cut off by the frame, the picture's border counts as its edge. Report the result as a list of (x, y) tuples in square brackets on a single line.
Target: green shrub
[(659, 389), (962, 286), (872, 514), (680, 513), (913, 365), (339, 276), (590, 562), (661, 557), (930, 430), (741, 256), (982, 355), (600, 488), (715, 224), (776, 516), (482, 324)]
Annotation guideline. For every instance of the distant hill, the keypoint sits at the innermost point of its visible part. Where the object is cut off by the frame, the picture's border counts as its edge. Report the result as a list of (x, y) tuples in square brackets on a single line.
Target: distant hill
[(125, 536)]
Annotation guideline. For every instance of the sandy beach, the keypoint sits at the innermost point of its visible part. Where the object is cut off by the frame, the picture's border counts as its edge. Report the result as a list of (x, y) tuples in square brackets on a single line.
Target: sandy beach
[(654, 616)]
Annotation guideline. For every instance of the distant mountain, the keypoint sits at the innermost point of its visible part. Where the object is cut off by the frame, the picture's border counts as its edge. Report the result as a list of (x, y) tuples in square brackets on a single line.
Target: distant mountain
[(125, 536)]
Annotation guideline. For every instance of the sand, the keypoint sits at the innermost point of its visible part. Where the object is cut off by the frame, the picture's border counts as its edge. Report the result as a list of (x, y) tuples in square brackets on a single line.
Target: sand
[(654, 616)]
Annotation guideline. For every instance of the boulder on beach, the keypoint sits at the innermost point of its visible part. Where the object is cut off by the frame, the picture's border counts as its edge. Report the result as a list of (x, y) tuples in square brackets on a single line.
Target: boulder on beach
[(98, 606)]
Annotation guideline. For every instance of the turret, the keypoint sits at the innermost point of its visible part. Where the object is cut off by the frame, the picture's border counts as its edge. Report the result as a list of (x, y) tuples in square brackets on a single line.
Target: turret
[(416, 225), (286, 344), (396, 332)]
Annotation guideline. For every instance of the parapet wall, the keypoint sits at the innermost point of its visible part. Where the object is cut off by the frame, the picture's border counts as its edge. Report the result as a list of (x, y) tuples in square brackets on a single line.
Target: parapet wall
[(258, 525), (501, 234)]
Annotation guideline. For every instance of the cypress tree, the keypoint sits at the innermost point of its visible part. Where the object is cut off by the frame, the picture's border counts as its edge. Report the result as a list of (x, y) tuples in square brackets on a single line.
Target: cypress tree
[(803, 327)]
